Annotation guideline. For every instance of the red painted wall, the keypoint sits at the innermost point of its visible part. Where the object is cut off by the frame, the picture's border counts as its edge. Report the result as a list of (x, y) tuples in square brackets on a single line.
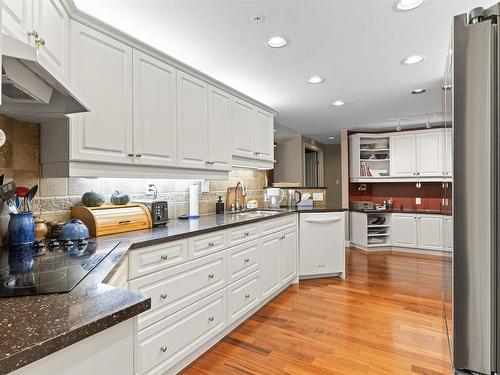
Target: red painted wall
[(404, 193)]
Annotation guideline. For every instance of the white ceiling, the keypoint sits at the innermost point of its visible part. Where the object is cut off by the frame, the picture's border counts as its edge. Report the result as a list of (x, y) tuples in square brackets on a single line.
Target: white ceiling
[(356, 45)]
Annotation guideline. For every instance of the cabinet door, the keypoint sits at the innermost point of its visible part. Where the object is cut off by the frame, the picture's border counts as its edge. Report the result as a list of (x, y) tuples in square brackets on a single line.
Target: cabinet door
[(243, 129), (154, 111), (429, 154), (16, 18), (264, 145), (101, 72), (404, 230), (288, 256), (430, 232), (52, 24), (447, 223), (402, 150), (219, 127), (192, 128), (448, 153), (270, 267)]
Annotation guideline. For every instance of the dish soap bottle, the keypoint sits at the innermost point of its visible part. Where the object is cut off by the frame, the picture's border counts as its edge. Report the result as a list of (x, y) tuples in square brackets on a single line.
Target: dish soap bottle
[(219, 206)]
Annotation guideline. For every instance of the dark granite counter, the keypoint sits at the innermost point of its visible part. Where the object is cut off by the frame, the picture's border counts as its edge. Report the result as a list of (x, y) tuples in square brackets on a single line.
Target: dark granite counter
[(407, 211), (33, 327)]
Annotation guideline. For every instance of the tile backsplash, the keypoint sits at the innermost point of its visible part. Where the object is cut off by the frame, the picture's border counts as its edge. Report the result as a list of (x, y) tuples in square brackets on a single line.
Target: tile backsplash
[(20, 161)]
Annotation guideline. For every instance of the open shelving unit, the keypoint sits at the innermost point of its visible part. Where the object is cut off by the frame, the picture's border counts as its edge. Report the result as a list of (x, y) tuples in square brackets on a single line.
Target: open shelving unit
[(371, 229), (370, 156)]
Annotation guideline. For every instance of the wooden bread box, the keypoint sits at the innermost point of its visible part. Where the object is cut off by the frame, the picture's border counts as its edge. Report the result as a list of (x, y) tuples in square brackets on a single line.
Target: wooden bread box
[(111, 219)]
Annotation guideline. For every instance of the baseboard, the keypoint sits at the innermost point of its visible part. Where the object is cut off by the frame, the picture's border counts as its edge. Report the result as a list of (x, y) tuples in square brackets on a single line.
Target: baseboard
[(347, 243), (395, 249)]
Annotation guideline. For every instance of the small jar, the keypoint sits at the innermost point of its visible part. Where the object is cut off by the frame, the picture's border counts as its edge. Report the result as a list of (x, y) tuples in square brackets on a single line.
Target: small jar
[(41, 229)]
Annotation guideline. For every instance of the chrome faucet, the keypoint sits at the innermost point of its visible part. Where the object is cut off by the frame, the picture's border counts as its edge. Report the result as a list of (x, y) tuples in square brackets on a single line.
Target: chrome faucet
[(237, 205)]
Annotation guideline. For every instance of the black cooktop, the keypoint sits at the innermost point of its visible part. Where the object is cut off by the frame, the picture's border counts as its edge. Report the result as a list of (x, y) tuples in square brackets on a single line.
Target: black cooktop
[(52, 267)]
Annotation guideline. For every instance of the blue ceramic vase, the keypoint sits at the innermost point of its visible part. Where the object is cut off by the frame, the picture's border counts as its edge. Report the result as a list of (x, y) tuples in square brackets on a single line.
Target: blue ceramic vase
[(21, 229)]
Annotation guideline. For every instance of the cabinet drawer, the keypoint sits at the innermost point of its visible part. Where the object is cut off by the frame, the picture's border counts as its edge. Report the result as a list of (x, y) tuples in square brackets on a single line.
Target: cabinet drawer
[(242, 234), (163, 344), (174, 288), (278, 224), (242, 296), (155, 258), (207, 244), (242, 260)]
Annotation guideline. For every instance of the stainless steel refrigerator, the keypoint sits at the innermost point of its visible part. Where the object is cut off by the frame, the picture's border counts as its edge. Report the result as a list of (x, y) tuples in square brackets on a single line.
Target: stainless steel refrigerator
[(476, 191)]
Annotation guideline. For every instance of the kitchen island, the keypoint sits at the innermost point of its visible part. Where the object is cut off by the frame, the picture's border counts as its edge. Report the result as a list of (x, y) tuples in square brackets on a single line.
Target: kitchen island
[(35, 327)]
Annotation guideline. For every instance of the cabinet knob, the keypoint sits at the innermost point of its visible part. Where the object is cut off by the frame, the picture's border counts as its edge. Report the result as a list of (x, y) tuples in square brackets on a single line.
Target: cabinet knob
[(211, 318), (39, 42), (130, 155), (211, 244), (246, 234), (163, 348), (246, 260), (282, 237), (211, 275), (139, 155), (164, 257), (207, 163), (164, 295), (247, 296)]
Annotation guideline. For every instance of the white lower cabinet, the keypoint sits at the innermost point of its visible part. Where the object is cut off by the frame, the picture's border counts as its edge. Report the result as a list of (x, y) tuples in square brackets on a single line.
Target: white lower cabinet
[(270, 270), (404, 230), (430, 232), (288, 256), (163, 344), (204, 286), (242, 296)]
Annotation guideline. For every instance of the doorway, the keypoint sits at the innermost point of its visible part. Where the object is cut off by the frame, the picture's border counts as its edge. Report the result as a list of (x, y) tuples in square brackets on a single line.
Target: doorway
[(313, 166)]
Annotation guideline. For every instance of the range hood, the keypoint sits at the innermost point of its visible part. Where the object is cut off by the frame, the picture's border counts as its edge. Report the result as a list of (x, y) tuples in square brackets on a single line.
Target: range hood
[(30, 92)]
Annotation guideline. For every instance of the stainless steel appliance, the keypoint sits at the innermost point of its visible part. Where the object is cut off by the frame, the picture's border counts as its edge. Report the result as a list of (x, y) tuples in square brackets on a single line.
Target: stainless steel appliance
[(362, 205), (476, 189), (291, 198), (159, 211)]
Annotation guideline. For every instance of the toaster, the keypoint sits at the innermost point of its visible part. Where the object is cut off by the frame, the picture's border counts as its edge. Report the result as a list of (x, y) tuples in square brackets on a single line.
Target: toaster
[(159, 211)]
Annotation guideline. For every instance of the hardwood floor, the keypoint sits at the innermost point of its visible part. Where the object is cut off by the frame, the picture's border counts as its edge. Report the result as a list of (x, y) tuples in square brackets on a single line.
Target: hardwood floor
[(386, 318)]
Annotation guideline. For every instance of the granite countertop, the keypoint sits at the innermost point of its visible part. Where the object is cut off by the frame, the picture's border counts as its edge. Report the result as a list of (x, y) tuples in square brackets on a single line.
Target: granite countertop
[(407, 211), (33, 327)]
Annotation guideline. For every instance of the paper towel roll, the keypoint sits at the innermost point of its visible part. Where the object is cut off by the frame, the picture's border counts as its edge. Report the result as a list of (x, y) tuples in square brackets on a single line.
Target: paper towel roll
[(193, 200)]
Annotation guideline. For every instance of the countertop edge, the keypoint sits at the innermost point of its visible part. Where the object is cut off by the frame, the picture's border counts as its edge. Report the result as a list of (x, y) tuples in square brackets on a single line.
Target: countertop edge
[(57, 343)]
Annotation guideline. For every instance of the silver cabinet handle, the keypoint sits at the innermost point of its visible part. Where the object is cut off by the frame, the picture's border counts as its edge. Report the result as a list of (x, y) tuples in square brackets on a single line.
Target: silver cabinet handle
[(211, 275), (139, 155), (164, 257), (246, 260), (246, 234), (282, 237), (163, 348), (164, 295), (130, 155), (207, 163), (211, 244), (247, 296), (211, 318)]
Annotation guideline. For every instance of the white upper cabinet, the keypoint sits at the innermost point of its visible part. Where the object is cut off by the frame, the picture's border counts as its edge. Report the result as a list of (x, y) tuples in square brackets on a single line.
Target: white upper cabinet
[(51, 22), (264, 146), (16, 18), (192, 122), (243, 129), (403, 156), (154, 97), (101, 72), (429, 148), (219, 126)]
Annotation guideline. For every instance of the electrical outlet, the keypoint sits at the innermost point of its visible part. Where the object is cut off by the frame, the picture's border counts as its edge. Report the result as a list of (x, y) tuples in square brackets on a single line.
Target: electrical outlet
[(418, 201)]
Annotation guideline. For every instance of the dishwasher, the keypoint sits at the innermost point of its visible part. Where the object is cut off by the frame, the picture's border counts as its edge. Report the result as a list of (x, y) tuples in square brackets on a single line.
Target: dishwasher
[(322, 239)]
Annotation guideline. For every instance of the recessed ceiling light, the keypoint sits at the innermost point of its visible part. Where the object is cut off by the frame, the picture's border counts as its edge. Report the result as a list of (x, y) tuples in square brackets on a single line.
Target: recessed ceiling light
[(418, 91), (338, 103), (258, 18), (414, 59), (408, 4), (276, 42), (315, 79), (331, 138)]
